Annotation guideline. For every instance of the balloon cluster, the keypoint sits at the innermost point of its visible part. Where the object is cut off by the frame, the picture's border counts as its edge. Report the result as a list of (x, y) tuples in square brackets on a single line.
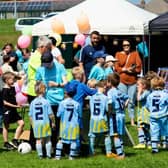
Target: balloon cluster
[(82, 22)]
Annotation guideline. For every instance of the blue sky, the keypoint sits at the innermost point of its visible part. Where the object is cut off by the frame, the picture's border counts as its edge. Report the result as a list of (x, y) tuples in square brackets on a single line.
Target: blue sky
[(137, 1)]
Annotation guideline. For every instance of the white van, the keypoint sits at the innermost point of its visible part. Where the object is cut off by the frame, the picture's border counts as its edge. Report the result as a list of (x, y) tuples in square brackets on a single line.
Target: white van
[(21, 23)]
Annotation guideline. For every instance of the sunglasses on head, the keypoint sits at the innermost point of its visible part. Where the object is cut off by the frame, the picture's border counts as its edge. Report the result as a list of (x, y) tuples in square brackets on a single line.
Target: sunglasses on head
[(126, 45)]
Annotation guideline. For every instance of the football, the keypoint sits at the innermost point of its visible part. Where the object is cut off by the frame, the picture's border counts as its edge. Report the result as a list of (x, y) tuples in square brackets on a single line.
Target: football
[(24, 148)]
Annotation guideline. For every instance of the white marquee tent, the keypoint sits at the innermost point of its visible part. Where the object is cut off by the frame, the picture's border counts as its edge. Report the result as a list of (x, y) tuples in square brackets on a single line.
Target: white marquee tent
[(110, 17)]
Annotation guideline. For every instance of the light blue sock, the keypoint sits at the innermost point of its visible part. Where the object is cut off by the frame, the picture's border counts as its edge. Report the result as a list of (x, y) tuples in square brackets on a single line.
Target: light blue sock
[(154, 145), (118, 146), (48, 148), (141, 136), (107, 142), (59, 148), (91, 145), (39, 149), (163, 140), (122, 143), (73, 150)]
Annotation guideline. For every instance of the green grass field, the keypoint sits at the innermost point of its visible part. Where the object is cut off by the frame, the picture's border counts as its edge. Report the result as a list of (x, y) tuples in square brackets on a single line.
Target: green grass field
[(134, 158), (7, 32)]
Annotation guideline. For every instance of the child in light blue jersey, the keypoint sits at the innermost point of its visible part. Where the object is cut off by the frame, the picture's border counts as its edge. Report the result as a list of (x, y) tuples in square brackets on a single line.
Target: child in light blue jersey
[(82, 91), (117, 102), (70, 114), (157, 104), (109, 65), (143, 90), (40, 114), (97, 71), (98, 119)]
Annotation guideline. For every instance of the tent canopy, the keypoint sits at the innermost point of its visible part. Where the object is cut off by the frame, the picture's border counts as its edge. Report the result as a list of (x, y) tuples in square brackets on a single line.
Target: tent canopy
[(159, 24), (110, 17)]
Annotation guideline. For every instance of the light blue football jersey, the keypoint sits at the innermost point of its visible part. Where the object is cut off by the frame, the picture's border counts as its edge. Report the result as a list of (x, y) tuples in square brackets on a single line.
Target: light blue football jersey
[(117, 99), (69, 113), (157, 103), (39, 111), (142, 112), (97, 73), (98, 113)]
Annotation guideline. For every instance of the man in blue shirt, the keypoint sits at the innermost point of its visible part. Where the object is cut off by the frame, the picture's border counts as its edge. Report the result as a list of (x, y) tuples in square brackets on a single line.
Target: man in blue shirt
[(86, 60)]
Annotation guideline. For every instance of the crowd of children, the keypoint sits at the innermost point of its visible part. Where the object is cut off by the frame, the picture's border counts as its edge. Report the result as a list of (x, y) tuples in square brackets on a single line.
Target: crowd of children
[(107, 109)]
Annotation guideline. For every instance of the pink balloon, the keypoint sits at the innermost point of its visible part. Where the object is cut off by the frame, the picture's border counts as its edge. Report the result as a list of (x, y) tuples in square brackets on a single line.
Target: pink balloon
[(24, 41), (80, 39), (17, 87), (21, 98)]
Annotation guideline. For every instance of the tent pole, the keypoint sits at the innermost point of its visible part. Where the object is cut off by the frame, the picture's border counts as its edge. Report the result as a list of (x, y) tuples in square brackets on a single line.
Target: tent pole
[(143, 40), (149, 51)]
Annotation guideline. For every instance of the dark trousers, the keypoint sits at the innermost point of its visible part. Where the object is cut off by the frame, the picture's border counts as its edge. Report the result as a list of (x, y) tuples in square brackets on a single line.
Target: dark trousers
[(55, 131), (32, 140)]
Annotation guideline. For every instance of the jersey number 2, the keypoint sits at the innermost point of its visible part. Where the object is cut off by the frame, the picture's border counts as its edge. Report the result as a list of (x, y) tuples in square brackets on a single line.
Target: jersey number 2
[(39, 113)]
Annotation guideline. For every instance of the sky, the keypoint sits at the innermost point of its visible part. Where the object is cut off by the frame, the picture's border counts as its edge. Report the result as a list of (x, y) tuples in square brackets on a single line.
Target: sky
[(137, 1)]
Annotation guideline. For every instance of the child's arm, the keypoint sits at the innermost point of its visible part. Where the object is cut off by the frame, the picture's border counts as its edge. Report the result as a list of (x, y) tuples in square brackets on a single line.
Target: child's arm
[(30, 118), (139, 93), (10, 104)]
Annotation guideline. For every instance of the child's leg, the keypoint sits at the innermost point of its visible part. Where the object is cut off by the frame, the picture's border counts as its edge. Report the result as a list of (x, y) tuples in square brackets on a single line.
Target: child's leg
[(5, 132), (73, 150), (141, 138), (39, 147), (122, 143), (107, 142), (155, 134), (19, 129), (141, 135), (147, 135), (91, 144), (48, 146), (59, 148), (118, 147)]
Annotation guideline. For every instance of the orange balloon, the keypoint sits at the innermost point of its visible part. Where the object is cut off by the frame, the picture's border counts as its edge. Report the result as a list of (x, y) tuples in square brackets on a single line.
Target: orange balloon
[(75, 45), (57, 26), (83, 23)]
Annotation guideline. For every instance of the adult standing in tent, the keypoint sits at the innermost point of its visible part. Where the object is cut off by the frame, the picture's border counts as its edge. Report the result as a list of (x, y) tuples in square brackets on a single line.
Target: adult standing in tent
[(129, 65), (55, 51), (86, 60)]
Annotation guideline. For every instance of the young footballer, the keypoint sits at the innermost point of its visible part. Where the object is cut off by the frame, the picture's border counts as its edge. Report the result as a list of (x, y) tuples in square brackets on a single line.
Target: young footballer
[(117, 103), (157, 104), (82, 91), (98, 119), (70, 114), (41, 118), (143, 90)]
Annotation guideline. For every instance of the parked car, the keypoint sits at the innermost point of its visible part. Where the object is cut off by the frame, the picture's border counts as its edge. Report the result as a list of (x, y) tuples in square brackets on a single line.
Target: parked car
[(50, 14), (22, 23)]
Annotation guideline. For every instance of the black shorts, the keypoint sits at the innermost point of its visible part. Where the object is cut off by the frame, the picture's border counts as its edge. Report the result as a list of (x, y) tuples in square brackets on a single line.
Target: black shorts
[(11, 117)]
